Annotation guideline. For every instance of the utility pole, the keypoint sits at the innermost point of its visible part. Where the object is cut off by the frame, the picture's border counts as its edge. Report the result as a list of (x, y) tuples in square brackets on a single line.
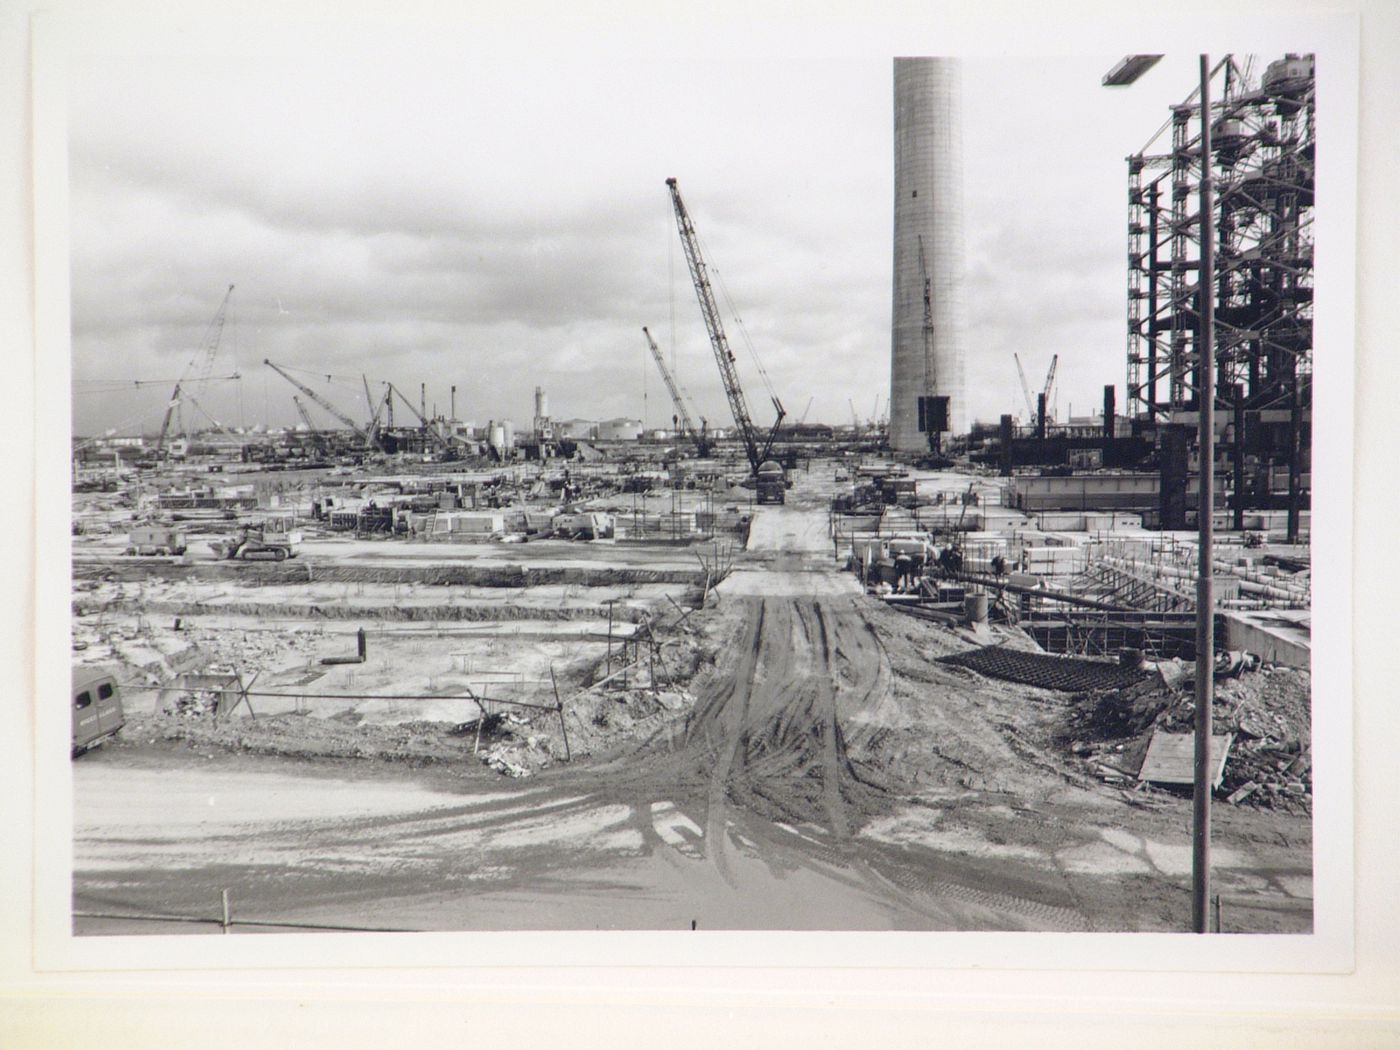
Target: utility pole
[(1127, 72), (1205, 590)]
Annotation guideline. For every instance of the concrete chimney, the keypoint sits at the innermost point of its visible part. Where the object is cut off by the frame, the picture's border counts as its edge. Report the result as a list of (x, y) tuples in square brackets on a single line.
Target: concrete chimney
[(928, 214)]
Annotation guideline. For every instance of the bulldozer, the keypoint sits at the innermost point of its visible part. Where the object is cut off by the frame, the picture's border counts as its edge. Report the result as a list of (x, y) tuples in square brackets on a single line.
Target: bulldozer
[(272, 538)]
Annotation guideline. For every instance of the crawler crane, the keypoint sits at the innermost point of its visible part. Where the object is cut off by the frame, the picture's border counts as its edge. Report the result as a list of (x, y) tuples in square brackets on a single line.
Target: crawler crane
[(768, 476)]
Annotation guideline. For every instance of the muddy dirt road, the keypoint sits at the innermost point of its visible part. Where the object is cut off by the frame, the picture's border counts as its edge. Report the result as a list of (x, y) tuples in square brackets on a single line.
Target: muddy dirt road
[(817, 783)]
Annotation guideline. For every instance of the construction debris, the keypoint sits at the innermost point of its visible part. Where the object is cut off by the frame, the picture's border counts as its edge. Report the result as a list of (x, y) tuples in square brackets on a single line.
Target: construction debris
[(1265, 715)]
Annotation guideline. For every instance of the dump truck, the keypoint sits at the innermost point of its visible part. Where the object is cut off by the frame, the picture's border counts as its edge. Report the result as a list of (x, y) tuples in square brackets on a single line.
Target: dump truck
[(156, 540), (770, 482)]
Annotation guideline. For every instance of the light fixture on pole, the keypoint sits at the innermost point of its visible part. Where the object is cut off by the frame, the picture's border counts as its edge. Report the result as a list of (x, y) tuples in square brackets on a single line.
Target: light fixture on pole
[(1128, 70)]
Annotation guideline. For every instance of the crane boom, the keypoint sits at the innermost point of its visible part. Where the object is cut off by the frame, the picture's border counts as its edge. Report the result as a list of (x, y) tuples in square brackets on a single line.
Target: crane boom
[(205, 360), (1025, 387), (682, 413), (378, 411), (207, 414), (211, 341), (169, 411), (1050, 377), (422, 419), (757, 451), (355, 427), (305, 417), (369, 404)]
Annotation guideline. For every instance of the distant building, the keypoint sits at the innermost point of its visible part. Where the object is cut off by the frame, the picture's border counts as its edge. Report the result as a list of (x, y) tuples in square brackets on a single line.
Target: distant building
[(577, 429), (620, 429)]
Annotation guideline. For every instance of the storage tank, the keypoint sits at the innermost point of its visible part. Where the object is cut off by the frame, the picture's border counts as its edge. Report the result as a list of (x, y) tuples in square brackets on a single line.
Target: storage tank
[(578, 429), (620, 430), (927, 360)]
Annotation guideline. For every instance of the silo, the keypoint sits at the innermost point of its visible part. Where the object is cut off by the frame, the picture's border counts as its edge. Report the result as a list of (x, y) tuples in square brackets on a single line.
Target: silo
[(928, 348)]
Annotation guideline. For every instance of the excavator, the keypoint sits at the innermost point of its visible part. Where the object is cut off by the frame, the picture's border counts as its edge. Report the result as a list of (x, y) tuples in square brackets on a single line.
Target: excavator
[(769, 479)]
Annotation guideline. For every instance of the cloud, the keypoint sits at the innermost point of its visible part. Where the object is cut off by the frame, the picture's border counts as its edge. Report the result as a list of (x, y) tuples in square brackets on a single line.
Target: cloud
[(499, 220)]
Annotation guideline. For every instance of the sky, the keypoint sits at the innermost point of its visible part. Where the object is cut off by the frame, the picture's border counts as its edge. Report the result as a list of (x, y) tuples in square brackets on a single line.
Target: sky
[(456, 204)]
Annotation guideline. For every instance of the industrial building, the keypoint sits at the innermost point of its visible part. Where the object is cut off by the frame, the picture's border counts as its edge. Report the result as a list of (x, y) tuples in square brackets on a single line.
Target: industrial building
[(1262, 162)]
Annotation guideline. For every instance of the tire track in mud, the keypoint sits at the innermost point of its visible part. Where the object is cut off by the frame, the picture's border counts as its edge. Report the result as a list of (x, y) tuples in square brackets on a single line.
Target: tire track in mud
[(785, 753), (772, 738), (725, 738)]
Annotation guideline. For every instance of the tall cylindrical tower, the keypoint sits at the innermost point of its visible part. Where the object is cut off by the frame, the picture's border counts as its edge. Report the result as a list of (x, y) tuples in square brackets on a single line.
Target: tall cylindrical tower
[(929, 330)]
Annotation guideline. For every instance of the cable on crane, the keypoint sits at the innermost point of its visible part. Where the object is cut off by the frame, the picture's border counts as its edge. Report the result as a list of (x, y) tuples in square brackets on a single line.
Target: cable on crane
[(739, 321)]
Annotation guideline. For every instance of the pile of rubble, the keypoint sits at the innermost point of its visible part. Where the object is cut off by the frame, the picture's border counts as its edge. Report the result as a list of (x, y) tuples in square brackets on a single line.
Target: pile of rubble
[(517, 751), (1267, 712)]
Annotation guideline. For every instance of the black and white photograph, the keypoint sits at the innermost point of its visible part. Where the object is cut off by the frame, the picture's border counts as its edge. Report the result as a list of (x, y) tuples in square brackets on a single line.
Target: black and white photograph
[(546, 514), (527, 489)]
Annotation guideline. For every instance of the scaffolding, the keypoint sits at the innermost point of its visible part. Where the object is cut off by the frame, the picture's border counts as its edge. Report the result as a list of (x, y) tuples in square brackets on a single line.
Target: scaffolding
[(1262, 158)]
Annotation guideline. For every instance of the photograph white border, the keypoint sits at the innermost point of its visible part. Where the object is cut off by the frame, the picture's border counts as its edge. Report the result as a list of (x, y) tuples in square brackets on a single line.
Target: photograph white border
[(1333, 37)]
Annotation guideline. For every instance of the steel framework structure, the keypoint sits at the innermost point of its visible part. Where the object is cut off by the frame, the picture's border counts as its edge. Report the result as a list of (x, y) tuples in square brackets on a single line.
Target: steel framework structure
[(1262, 147)]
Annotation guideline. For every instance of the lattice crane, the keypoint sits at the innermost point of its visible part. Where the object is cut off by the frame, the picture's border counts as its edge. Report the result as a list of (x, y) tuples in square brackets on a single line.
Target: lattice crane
[(426, 426), (755, 447), (316, 436), (358, 430), (1050, 380), (1025, 387), (203, 360), (702, 442)]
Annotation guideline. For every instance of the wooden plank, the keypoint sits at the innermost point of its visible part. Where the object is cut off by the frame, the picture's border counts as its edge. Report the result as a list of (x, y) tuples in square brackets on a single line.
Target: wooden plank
[(1170, 758)]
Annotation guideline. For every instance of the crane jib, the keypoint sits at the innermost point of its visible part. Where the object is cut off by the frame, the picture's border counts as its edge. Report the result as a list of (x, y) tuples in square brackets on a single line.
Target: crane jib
[(724, 357), (355, 428)]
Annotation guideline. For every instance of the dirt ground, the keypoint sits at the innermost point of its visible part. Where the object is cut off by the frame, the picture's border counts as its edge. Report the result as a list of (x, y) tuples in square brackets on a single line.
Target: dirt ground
[(803, 762)]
